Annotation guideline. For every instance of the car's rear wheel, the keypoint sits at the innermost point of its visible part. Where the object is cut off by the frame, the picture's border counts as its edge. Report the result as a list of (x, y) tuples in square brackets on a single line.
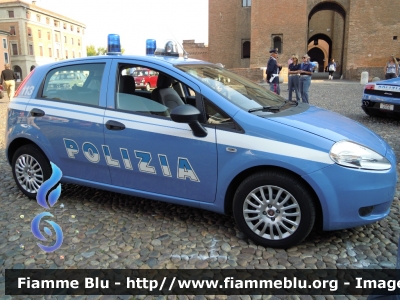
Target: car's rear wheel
[(30, 168), (148, 87), (274, 209)]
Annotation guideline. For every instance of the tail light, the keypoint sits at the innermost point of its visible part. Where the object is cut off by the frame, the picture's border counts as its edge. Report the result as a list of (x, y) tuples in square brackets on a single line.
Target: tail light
[(370, 86), (21, 86)]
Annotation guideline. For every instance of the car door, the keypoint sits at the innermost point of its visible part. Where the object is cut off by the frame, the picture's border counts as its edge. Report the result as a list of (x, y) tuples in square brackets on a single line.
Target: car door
[(70, 119), (147, 151)]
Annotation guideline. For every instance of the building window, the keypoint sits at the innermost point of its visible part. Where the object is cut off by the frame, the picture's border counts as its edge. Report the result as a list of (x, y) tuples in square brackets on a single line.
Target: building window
[(79, 54), (47, 20), (72, 28), (14, 48), (28, 14), (38, 18), (79, 42), (72, 41), (277, 42), (65, 25), (12, 30), (48, 35), (6, 58), (50, 53), (39, 34), (246, 3), (58, 53), (29, 31), (4, 43), (73, 54), (30, 49), (65, 39), (56, 23), (66, 54), (246, 49), (78, 29), (41, 50), (11, 14)]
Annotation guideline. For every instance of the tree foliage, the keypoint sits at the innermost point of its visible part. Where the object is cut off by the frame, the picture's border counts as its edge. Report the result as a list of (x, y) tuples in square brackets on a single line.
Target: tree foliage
[(92, 51)]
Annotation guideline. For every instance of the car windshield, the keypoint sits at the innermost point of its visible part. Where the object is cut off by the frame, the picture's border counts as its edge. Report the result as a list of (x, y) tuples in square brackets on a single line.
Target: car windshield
[(240, 91)]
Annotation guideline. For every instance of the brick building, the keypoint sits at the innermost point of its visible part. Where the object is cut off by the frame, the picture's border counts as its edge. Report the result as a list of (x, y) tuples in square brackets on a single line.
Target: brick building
[(38, 36), (359, 34)]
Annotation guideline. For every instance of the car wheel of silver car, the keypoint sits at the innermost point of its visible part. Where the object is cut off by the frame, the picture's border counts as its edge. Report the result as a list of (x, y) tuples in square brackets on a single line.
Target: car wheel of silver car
[(274, 209), (148, 87), (30, 169)]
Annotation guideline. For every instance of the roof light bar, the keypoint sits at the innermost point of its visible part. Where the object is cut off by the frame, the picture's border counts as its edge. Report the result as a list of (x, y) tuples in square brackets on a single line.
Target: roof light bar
[(113, 45)]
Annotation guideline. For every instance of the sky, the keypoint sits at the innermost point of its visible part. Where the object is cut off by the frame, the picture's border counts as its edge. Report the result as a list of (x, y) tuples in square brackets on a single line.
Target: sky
[(136, 20)]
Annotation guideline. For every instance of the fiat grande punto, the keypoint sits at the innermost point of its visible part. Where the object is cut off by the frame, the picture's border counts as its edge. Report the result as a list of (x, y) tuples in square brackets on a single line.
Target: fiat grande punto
[(204, 137)]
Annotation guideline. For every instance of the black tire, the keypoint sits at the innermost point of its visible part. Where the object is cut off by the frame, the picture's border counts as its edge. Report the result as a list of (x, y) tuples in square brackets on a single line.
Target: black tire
[(268, 220), (148, 87), (30, 168)]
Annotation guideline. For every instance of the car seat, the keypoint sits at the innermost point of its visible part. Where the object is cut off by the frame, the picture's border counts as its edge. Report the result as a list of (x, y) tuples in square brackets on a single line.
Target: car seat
[(164, 94), (127, 85)]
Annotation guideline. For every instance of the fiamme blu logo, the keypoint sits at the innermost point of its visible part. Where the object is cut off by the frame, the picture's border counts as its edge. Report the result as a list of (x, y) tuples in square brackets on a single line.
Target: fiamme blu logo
[(47, 196)]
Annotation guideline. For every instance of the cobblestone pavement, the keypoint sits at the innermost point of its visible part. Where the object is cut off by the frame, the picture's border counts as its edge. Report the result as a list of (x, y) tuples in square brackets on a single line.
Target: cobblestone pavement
[(109, 230)]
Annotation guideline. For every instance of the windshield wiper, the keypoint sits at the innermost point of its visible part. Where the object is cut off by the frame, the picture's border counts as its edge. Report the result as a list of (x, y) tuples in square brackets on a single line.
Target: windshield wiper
[(265, 108)]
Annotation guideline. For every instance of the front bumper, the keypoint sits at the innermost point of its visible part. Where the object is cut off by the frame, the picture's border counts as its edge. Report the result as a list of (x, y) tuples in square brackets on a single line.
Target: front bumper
[(352, 197)]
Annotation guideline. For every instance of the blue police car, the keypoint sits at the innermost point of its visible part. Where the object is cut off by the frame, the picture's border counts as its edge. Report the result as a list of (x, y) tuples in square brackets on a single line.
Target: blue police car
[(382, 98), (205, 138)]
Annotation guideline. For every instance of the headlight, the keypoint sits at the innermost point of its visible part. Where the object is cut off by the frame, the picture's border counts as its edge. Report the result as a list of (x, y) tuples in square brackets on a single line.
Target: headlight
[(353, 155)]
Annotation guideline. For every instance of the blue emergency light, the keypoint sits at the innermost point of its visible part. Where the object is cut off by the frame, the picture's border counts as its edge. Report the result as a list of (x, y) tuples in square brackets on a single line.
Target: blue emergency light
[(114, 45), (151, 46)]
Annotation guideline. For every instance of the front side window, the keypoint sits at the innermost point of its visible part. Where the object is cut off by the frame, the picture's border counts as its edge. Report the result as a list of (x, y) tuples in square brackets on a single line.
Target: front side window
[(215, 116), (79, 84), (238, 90), (137, 92)]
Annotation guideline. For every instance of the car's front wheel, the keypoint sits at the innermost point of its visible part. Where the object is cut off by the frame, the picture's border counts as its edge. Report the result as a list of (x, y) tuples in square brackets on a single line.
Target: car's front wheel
[(30, 168), (274, 209)]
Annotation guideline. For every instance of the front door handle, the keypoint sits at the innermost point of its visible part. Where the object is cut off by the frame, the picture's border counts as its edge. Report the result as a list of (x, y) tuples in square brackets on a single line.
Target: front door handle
[(114, 125), (36, 112)]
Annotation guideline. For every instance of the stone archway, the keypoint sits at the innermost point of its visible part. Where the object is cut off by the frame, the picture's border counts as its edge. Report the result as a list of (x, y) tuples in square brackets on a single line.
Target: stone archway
[(318, 55), (329, 18), (18, 72)]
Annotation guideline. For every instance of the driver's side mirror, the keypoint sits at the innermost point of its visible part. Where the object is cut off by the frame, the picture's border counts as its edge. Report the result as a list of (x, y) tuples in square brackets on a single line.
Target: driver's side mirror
[(189, 114)]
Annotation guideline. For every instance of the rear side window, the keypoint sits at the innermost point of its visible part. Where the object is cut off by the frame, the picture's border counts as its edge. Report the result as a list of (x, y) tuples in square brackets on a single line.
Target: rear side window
[(78, 84)]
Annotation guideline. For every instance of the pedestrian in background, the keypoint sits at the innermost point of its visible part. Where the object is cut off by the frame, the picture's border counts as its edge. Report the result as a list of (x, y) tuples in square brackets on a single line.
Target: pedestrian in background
[(8, 78), (273, 68), (306, 70), (331, 68), (391, 68), (293, 83)]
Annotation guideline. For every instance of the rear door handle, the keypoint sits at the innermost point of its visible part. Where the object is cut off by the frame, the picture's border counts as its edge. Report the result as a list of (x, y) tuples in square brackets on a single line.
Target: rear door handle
[(36, 112), (114, 125)]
